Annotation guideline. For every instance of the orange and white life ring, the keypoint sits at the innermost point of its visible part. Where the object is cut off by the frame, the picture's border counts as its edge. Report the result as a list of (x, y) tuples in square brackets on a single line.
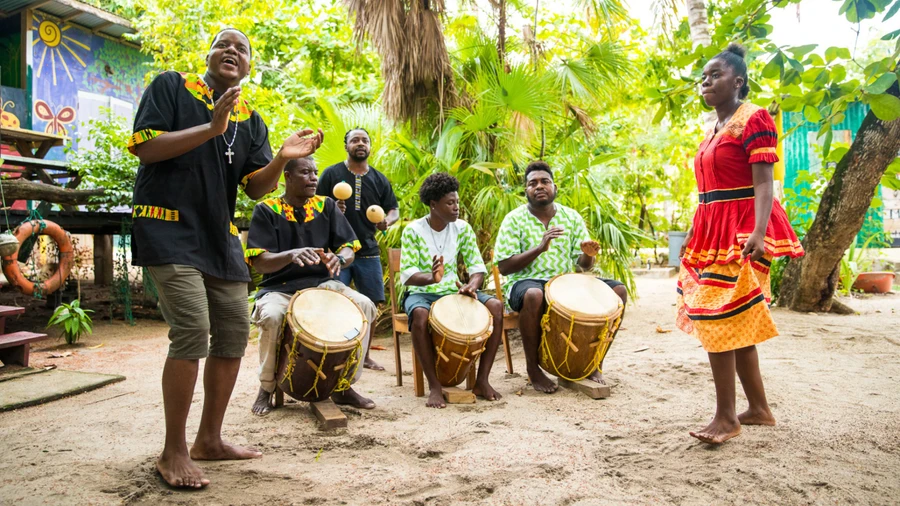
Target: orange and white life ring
[(66, 257)]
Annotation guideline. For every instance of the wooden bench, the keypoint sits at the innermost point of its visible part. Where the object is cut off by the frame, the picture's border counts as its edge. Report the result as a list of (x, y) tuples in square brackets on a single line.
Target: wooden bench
[(34, 163), (400, 325), (15, 347)]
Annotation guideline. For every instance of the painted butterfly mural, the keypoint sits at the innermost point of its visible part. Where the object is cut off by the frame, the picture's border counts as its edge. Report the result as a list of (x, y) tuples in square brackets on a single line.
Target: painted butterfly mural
[(55, 122)]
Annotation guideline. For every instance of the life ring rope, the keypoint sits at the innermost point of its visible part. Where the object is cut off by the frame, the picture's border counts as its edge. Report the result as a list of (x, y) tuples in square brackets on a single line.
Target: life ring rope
[(32, 228)]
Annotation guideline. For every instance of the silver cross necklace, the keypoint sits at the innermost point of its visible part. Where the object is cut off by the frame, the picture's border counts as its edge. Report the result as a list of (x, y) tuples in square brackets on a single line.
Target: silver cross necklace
[(229, 153)]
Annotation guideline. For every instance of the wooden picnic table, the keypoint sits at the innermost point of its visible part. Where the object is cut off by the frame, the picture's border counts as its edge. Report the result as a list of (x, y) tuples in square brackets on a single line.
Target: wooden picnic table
[(33, 146), (30, 143)]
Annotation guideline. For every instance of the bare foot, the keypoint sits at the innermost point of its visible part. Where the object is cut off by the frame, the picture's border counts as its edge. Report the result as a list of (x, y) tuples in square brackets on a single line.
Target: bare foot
[(371, 364), (262, 405), (597, 376), (718, 431), (180, 471), (436, 398), (486, 391), (221, 450), (541, 382), (351, 398), (757, 418)]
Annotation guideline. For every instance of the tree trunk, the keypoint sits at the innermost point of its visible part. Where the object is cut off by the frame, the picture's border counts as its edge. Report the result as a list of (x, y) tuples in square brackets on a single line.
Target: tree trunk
[(22, 189), (699, 23), (809, 282), (501, 32)]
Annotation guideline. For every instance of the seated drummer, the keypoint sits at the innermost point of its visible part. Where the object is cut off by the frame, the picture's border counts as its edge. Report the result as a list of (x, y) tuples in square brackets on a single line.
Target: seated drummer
[(427, 245), (292, 242), (537, 241)]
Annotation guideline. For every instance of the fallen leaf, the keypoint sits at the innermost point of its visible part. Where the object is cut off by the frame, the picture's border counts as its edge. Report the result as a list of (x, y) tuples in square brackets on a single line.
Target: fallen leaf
[(519, 392), (61, 355), (95, 347), (645, 348), (660, 330), (377, 347)]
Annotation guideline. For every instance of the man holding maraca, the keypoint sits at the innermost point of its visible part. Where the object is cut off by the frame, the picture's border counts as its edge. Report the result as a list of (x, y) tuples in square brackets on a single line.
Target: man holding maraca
[(362, 194)]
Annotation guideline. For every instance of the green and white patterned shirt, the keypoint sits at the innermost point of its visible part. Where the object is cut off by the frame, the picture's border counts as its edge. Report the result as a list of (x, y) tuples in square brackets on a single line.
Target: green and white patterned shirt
[(420, 243), (522, 231)]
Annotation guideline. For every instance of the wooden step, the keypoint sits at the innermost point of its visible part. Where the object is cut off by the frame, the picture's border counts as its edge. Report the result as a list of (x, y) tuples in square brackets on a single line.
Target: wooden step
[(11, 310), (20, 338)]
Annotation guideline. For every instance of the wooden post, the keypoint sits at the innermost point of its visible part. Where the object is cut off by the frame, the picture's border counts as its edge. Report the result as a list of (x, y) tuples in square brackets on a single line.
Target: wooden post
[(103, 260)]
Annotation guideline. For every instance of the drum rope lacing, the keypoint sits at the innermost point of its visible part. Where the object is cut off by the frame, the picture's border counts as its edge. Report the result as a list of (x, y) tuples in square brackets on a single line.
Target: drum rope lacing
[(343, 382), (440, 351), (599, 355)]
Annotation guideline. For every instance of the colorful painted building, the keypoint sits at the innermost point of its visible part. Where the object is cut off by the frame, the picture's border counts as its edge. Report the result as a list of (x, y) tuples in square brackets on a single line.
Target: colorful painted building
[(802, 152), (61, 62)]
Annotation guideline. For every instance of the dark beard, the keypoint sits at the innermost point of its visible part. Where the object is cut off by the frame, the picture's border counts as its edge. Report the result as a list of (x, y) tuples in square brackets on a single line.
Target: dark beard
[(535, 203), (356, 158)]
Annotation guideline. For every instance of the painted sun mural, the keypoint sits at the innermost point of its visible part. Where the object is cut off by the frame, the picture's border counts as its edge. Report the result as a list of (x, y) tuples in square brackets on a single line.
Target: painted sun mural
[(60, 49)]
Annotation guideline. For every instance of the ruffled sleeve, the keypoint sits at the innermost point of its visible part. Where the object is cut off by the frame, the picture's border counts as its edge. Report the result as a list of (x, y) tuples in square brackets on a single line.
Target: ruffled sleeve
[(760, 138)]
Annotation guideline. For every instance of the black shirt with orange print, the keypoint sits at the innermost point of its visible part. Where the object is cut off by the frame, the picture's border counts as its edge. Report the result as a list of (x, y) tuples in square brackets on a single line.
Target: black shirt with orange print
[(276, 226), (184, 207)]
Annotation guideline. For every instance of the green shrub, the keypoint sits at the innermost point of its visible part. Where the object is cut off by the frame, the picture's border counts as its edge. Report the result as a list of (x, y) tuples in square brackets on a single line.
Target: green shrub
[(72, 321)]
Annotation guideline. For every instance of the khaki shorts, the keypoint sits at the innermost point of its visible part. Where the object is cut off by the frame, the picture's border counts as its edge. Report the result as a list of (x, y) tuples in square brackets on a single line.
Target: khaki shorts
[(207, 316)]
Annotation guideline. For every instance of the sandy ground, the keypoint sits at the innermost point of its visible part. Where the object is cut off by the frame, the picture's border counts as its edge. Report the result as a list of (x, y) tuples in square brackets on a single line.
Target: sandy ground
[(832, 382)]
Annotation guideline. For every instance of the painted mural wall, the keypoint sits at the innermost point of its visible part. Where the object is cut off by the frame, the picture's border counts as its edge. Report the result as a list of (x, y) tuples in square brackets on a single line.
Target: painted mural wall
[(71, 67), (801, 150)]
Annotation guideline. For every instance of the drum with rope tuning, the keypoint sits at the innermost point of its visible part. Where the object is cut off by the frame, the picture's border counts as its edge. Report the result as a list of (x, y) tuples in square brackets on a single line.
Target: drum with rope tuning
[(581, 320), (460, 326), (321, 344)]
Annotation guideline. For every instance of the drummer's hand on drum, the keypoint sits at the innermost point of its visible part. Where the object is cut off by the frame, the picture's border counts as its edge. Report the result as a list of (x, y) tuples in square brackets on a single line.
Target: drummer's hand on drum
[(332, 263), (304, 256), (551, 233), (590, 248), (467, 289), (437, 268)]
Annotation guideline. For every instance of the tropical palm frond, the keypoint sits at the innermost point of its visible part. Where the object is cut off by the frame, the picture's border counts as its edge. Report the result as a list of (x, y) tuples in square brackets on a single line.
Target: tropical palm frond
[(606, 12), (519, 90), (414, 61), (609, 59)]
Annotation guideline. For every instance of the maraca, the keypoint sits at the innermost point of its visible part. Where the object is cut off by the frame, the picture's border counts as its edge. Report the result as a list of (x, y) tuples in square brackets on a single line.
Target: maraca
[(375, 214), (342, 191)]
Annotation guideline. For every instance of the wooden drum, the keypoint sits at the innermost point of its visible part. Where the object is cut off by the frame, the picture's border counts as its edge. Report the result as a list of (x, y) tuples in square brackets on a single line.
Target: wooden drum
[(582, 317), (321, 345), (460, 327)]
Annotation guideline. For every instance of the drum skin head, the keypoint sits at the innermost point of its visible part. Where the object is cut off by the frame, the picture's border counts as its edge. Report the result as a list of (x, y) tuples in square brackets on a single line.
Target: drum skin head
[(582, 294), (461, 315), (326, 314)]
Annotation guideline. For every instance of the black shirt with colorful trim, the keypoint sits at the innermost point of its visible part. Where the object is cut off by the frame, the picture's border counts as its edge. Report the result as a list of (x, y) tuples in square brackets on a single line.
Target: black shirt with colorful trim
[(184, 207), (370, 189), (276, 226)]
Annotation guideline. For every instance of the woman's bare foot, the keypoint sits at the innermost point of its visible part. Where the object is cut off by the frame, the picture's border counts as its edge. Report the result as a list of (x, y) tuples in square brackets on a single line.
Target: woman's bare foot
[(180, 471), (486, 391), (436, 398), (371, 364), (351, 398), (221, 450), (597, 376), (541, 382), (718, 431), (262, 405), (756, 417)]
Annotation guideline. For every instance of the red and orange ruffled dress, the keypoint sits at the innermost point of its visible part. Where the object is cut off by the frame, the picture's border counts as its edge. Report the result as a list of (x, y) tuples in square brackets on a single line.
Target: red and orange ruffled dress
[(722, 300)]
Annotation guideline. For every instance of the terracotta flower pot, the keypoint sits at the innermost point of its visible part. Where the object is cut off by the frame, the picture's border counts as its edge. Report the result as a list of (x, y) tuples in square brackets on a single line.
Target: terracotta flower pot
[(874, 282)]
